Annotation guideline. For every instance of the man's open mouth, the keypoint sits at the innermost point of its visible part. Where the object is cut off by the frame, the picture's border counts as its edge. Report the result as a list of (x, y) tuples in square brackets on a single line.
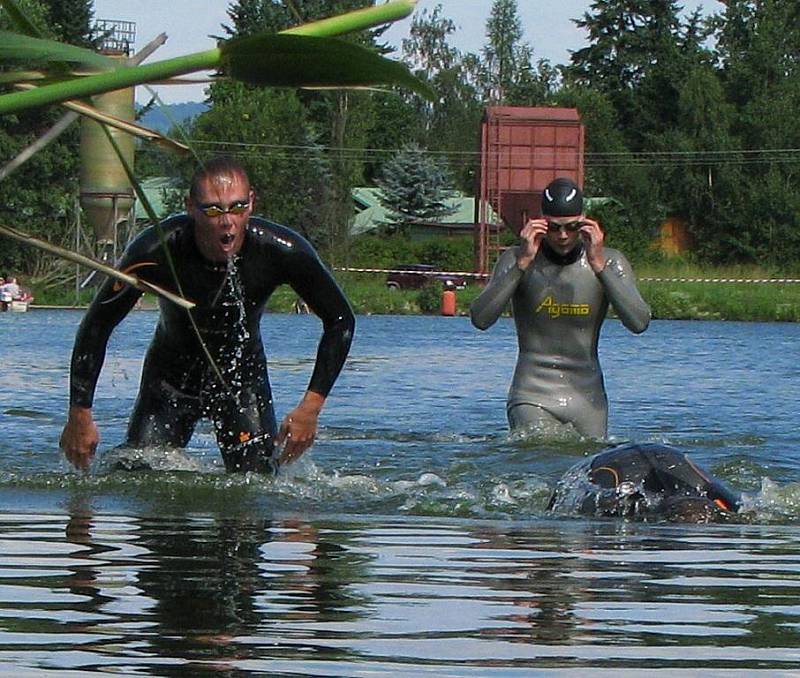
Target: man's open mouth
[(227, 238)]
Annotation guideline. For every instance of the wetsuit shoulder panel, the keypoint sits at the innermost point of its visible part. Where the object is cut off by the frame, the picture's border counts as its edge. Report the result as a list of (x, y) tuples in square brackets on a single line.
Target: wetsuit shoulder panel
[(619, 282), (298, 265), (487, 307), (144, 257)]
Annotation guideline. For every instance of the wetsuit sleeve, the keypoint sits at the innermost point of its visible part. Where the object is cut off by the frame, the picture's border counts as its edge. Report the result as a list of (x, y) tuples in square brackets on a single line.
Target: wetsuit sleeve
[(111, 304), (619, 283), (488, 306), (309, 277)]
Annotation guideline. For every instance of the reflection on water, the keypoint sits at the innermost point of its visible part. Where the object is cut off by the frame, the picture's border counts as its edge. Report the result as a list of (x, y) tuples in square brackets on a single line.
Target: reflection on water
[(202, 594), (413, 541)]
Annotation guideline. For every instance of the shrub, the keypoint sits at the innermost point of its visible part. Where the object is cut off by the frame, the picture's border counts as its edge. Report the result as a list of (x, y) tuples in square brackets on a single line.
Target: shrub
[(429, 298)]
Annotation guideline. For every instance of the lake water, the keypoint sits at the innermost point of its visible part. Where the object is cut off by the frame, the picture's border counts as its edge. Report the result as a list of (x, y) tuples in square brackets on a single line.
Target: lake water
[(412, 540)]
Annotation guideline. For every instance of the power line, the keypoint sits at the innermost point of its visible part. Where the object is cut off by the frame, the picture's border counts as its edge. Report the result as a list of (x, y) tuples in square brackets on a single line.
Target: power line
[(557, 154), (296, 152)]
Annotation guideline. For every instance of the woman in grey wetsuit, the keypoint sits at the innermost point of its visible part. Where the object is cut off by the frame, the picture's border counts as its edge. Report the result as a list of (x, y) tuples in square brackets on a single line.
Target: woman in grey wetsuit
[(560, 281), (210, 361)]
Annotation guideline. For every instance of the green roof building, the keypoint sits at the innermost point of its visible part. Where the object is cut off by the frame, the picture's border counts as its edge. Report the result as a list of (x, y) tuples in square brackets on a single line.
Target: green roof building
[(371, 215)]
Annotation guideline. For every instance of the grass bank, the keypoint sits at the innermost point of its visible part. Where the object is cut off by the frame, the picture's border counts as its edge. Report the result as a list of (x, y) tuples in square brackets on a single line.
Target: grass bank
[(688, 292), (723, 301), (668, 300)]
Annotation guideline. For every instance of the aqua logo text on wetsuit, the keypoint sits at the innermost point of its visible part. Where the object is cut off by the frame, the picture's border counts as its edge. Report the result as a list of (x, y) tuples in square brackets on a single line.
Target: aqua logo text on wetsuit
[(555, 310)]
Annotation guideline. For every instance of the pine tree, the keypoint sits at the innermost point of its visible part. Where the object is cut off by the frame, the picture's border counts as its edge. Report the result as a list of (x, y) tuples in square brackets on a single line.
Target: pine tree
[(758, 44), (455, 116), (638, 54), (71, 20), (415, 188), (508, 75)]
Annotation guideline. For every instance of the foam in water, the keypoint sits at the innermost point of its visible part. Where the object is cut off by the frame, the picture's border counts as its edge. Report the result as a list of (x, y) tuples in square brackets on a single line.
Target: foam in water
[(774, 502), (149, 459)]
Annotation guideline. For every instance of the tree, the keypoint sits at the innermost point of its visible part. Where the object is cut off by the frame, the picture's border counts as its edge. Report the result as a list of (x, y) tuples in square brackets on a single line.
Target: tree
[(508, 75), (638, 52), (396, 120), (415, 187), (699, 189), (758, 44), (451, 122), (39, 197), (426, 49), (252, 16), (269, 131), (71, 20), (311, 189), (651, 65)]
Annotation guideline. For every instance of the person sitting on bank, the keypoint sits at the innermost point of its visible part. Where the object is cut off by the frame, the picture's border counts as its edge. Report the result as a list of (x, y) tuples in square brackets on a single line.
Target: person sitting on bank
[(560, 280), (210, 361), (10, 289)]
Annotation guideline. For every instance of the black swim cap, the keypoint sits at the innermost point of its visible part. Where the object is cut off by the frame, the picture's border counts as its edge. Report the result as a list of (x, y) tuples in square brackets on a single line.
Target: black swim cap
[(562, 198)]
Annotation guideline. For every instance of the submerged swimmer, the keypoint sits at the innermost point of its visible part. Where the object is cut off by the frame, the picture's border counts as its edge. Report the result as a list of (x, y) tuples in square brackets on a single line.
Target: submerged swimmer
[(210, 361), (560, 281), (641, 481)]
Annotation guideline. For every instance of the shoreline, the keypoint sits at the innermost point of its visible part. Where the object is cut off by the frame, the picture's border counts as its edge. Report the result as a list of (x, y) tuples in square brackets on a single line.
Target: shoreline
[(669, 300)]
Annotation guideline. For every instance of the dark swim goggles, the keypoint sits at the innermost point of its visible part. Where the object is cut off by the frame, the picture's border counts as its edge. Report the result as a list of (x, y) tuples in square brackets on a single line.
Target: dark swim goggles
[(237, 208), (570, 226)]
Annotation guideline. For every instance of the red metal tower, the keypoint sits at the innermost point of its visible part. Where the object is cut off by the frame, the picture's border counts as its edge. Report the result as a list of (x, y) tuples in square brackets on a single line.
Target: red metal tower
[(522, 150)]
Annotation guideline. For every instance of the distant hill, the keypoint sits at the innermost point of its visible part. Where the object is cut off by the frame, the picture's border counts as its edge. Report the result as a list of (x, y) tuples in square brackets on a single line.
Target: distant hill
[(161, 118)]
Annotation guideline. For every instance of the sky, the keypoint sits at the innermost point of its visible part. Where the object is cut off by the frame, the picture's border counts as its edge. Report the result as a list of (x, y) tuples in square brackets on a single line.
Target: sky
[(548, 25)]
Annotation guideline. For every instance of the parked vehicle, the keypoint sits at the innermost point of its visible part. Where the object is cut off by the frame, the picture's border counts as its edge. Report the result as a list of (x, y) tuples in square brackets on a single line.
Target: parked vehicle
[(416, 276)]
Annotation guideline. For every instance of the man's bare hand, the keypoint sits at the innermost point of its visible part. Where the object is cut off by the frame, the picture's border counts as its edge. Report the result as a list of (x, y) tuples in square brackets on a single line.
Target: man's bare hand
[(299, 428), (531, 237), (593, 238), (80, 437)]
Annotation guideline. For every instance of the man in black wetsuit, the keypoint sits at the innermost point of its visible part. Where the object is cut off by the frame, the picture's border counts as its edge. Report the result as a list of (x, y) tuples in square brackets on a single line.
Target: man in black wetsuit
[(560, 280), (647, 481), (210, 361)]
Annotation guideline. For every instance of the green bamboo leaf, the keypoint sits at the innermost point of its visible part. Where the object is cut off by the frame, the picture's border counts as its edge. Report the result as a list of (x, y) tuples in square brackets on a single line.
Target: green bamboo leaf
[(285, 60), (267, 59), (17, 47), (357, 20), (19, 18), (89, 85), (367, 68)]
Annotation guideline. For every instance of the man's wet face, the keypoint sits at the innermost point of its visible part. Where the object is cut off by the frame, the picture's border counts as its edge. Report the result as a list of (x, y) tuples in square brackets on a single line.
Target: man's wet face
[(563, 233), (221, 209)]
